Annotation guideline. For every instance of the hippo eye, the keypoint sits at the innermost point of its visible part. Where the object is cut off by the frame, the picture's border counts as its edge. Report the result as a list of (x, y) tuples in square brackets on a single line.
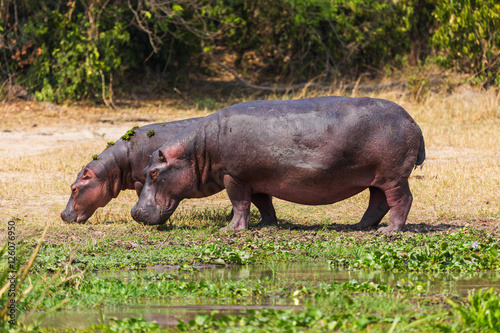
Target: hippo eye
[(153, 173), (74, 190)]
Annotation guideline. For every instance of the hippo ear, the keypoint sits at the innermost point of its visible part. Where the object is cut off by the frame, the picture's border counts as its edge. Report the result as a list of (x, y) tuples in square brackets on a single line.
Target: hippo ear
[(87, 174), (174, 151), (161, 157)]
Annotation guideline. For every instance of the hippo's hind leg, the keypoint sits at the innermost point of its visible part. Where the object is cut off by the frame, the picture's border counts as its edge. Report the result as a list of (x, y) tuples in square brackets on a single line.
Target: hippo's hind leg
[(399, 199), (240, 196), (264, 203), (377, 208)]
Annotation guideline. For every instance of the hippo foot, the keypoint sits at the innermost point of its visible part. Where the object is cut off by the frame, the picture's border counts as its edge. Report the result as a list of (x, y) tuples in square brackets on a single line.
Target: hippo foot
[(229, 228), (234, 226), (361, 226), (266, 223), (390, 228)]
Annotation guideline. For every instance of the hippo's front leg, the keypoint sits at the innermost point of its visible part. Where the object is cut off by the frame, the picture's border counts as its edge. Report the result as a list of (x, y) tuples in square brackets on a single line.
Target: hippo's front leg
[(138, 188), (240, 195)]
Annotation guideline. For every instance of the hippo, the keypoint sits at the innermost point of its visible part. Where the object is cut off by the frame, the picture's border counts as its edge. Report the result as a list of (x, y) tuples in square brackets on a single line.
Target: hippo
[(313, 151), (120, 167)]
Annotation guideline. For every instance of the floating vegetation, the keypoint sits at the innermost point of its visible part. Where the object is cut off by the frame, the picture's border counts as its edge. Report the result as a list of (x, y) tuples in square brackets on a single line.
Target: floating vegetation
[(129, 133), (109, 144), (94, 157), (151, 133)]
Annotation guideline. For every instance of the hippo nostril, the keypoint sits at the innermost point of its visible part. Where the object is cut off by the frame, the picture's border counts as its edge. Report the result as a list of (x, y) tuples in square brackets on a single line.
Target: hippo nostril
[(139, 214), (68, 216)]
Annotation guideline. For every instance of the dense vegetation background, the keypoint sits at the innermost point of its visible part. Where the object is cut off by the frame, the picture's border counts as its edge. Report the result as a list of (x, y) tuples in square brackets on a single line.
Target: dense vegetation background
[(85, 49)]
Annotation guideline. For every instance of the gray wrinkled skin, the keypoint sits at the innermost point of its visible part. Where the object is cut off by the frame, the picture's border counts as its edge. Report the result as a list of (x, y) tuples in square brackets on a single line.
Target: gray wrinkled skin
[(314, 151), (119, 167)]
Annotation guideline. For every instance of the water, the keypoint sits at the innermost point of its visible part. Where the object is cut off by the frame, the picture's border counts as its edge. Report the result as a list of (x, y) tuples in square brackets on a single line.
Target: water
[(165, 313), (169, 312)]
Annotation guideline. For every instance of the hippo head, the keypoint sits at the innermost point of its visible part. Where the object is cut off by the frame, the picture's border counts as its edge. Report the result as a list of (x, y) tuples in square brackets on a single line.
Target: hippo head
[(170, 177), (89, 192)]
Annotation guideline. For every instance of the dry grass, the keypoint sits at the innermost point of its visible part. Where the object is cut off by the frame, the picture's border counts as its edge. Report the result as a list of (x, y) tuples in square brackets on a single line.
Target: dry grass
[(458, 183)]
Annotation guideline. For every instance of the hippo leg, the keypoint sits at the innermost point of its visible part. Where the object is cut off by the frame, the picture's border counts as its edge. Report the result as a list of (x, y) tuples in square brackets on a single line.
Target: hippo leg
[(264, 203), (377, 208), (399, 200), (241, 197), (138, 188)]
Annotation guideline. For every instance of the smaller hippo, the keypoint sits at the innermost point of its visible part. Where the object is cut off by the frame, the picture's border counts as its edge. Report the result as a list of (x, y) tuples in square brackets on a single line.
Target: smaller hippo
[(120, 167), (313, 151)]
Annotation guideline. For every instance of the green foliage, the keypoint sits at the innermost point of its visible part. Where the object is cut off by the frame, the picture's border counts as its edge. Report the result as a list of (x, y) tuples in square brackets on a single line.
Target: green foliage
[(221, 255), (20, 290), (465, 251), (482, 314), (468, 36), (76, 51), (151, 133), (299, 37), (126, 325), (311, 319), (76, 57), (95, 291), (458, 252), (109, 144), (128, 134)]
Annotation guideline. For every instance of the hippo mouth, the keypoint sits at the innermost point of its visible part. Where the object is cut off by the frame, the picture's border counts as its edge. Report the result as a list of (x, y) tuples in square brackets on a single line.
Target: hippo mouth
[(157, 216), (69, 217), (73, 217)]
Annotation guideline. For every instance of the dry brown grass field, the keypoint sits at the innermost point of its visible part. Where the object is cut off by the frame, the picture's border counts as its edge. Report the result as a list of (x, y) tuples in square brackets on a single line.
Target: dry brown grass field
[(43, 147)]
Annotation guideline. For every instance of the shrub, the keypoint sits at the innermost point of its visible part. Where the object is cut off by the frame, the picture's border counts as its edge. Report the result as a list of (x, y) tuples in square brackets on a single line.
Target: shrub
[(468, 37)]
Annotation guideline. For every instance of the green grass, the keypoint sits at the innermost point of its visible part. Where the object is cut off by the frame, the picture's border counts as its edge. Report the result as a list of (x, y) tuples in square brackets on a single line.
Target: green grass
[(464, 250)]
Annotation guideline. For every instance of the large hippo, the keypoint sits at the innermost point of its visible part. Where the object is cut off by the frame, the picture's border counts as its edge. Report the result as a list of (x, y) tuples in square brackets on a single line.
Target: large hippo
[(313, 151), (120, 167)]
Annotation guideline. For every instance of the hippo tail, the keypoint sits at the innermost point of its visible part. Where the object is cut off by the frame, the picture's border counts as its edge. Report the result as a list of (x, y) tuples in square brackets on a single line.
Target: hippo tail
[(421, 151)]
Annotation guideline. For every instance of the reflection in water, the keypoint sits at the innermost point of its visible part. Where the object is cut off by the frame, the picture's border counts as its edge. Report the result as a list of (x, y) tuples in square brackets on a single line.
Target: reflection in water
[(165, 313), (169, 312), (438, 282)]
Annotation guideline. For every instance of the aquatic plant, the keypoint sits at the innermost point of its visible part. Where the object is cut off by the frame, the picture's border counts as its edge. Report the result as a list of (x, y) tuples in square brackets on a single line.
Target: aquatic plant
[(221, 255), (460, 251), (109, 144), (150, 133), (311, 319), (482, 313), (129, 133), (126, 325)]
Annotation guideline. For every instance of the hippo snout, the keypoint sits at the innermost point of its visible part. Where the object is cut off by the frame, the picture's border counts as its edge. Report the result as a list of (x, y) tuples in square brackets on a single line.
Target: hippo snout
[(69, 216), (145, 216), (138, 214)]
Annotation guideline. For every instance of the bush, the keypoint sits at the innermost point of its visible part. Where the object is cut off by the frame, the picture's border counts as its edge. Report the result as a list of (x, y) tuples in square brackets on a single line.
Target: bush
[(70, 56), (303, 38), (468, 37), (75, 50)]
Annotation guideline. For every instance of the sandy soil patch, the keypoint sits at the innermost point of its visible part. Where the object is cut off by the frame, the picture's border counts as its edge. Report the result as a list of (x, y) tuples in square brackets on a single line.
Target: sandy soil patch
[(44, 139)]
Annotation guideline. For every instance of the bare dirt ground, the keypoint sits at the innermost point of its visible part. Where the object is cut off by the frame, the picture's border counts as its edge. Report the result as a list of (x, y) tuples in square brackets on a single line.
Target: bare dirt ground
[(42, 139)]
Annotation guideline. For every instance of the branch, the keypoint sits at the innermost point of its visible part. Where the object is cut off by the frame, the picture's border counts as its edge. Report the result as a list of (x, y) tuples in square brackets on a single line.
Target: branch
[(355, 86)]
